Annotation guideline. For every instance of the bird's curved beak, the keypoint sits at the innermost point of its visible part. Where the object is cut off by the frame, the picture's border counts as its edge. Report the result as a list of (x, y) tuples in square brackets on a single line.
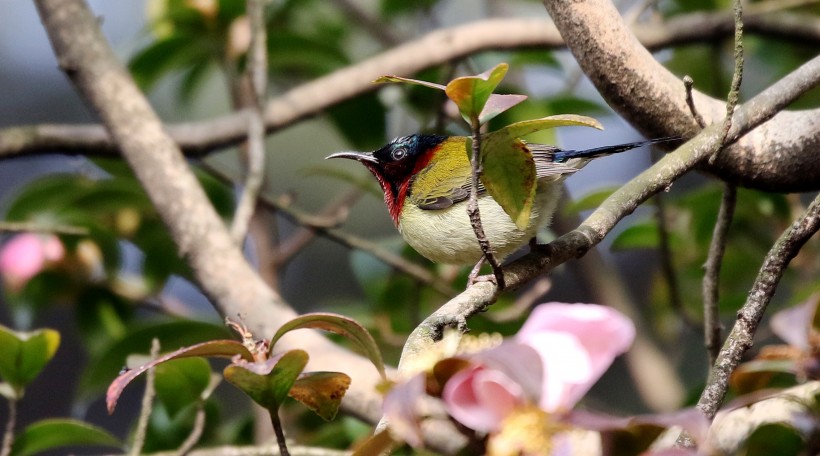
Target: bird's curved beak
[(358, 156)]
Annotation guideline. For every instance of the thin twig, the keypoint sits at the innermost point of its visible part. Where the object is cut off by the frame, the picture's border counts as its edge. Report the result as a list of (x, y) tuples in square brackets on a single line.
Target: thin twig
[(146, 406), (11, 423), (34, 227), (258, 72), (737, 77), (748, 318), (668, 268), (332, 215), (711, 276), (376, 28), (473, 211), (689, 84), (196, 431)]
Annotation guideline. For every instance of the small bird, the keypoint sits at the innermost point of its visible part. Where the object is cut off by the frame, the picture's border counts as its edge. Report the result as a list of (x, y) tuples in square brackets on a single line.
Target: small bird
[(426, 182)]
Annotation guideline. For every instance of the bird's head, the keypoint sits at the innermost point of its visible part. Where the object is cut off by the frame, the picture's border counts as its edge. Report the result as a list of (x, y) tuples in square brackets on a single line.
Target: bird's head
[(395, 164)]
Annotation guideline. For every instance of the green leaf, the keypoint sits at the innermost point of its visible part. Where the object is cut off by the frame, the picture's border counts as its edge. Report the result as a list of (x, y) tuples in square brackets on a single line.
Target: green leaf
[(643, 235), (55, 433), (321, 392), (181, 382), (213, 348), (24, 355), (338, 324), (268, 389), (470, 93), (589, 201), (509, 169), (526, 127), (509, 176)]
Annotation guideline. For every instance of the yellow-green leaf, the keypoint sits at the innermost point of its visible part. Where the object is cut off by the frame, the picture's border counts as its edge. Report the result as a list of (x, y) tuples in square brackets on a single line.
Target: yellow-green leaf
[(526, 127), (24, 355), (268, 389), (470, 93)]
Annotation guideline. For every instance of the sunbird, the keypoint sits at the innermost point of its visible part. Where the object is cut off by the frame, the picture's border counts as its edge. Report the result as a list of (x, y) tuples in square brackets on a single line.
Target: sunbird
[(426, 182)]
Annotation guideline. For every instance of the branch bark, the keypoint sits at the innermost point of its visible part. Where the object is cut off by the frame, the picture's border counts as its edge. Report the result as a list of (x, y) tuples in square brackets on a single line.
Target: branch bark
[(788, 136), (749, 316), (218, 265), (774, 157)]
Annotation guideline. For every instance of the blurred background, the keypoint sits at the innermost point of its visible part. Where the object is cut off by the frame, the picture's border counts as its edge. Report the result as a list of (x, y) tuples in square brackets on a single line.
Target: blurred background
[(121, 281)]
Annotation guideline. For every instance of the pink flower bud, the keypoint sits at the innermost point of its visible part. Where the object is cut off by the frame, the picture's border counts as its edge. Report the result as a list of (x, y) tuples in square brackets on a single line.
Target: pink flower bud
[(26, 255)]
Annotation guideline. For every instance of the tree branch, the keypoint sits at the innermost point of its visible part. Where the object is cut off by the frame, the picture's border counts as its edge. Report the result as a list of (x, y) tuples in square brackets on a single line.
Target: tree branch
[(749, 316), (789, 135), (650, 97), (711, 275), (620, 204), (218, 266), (257, 72)]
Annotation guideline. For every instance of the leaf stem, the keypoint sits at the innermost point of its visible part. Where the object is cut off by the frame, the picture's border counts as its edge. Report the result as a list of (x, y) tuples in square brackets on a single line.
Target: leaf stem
[(8, 436), (472, 206), (280, 434)]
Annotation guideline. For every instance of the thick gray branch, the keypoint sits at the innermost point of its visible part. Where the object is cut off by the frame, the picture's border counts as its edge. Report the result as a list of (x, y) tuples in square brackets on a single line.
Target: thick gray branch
[(792, 132), (778, 156)]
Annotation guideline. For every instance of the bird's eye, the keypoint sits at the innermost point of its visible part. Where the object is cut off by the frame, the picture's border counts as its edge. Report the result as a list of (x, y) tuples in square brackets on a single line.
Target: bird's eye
[(399, 153)]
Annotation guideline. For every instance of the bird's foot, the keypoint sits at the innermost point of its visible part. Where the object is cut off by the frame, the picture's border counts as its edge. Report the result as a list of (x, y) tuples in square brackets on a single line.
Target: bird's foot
[(474, 278)]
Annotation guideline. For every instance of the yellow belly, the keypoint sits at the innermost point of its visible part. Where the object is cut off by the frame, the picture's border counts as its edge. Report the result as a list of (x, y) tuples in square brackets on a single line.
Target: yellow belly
[(446, 235)]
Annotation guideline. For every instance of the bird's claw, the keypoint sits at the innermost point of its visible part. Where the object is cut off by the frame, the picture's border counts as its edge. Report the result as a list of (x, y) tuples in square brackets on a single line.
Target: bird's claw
[(472, 280)]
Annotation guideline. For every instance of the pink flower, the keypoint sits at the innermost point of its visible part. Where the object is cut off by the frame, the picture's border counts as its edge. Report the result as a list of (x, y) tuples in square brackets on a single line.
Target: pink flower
[(480, 398), (25, 255), (576, 343), (560, 352)]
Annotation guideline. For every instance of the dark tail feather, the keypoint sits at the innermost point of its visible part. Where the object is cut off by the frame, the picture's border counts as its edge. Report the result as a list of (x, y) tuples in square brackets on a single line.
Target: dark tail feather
[(562, 156)]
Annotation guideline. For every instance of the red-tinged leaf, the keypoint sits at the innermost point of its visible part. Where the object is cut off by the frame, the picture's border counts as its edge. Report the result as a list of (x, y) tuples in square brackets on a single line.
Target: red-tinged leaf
[(338, 324), (432, 85), (321, 392), (509, 176), (214, 348), (470, 93), (497, 104), (268, 390)]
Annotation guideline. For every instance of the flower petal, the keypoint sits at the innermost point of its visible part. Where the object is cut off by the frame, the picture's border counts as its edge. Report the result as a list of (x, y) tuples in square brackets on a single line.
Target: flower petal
[(480, 398)]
